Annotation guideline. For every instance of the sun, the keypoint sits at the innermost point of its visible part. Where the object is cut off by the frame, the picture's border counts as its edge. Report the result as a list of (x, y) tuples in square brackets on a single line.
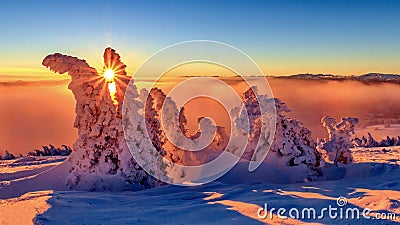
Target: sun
[(109, 75)]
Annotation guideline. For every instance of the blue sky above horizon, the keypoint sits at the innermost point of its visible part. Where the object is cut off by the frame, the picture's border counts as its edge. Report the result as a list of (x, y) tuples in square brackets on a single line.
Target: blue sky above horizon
[(283, 37)]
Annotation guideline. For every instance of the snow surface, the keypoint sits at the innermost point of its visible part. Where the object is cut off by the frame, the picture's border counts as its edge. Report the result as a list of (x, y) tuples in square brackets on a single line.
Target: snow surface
[(372, 182), (26, 166)]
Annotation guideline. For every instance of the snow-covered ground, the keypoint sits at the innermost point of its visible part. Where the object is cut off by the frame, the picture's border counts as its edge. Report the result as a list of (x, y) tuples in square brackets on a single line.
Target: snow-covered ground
[(25, 167), (373, 182)]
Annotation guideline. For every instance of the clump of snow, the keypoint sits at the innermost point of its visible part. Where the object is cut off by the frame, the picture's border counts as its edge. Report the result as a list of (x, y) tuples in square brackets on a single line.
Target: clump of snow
[(337, 147)]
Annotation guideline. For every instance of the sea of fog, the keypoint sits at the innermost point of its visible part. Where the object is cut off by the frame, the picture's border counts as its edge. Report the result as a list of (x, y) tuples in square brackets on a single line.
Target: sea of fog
[(35, 114), (43, 113)]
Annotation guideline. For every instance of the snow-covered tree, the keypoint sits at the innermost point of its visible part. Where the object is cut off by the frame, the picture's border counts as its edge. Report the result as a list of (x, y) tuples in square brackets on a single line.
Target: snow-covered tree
[(8, 156), (370, 142), (337, 147), (293, 140), (159, 100), (101, 158), (292, 144), (51, 151)]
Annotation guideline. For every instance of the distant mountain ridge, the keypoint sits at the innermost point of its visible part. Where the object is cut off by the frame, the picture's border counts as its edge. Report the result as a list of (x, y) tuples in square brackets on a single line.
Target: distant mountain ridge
[(366, 78)]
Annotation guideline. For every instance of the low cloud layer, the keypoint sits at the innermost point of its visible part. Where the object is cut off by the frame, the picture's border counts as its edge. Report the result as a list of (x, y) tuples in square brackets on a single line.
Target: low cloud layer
[(19, 83)]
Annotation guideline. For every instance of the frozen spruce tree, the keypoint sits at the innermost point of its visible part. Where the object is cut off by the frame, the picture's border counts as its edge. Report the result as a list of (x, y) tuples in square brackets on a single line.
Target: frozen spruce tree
[(8, 156), (337, 147), (162, 104), (292, 145), (293, 140), (101, 159), (365, 142), (167, 136), (370, 142)]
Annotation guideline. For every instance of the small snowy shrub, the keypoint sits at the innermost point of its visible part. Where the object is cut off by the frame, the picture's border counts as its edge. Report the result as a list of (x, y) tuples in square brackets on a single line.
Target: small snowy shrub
[(337, 147)]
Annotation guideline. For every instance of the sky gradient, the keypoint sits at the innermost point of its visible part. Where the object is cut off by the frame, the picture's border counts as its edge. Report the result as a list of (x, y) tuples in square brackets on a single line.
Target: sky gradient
[(283, 37)]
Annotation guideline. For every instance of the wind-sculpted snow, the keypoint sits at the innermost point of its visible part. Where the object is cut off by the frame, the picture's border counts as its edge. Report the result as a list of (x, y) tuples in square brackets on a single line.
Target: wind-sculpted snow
[(101, 159)]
